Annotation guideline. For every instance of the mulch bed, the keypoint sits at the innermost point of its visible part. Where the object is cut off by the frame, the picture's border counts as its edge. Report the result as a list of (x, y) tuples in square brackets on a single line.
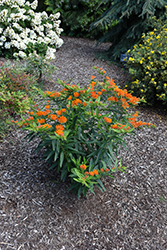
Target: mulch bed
[(38, 212)]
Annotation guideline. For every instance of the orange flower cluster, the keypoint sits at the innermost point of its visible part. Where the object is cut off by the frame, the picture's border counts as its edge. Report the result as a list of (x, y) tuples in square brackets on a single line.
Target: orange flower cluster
[(76, 94), (125, 97), (136, 124), (84, 104), (92, 84), (41, 121), (76, 102), (59, 112), (82, 91), (45, 126), (112, 98), (59, 127), (69, 98), (47, 106), (43, 113), (62, 119), (102, 170), (53, 117), (94, 172), (94, 95), (83, 166), (53, 94), (30, 118), (59, 130), (107, 119)]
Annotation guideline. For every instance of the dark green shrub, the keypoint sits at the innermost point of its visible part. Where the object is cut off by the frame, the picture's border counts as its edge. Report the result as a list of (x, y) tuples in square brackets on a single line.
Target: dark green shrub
[(148, 65), (132, 20), (77, 15)]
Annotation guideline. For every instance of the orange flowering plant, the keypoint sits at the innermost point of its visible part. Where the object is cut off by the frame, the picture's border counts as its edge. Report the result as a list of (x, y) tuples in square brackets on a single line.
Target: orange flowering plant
[(81, 129)]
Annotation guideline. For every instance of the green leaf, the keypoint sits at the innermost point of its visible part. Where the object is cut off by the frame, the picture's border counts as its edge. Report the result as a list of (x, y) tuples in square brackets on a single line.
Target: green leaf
[(99, 187), (61, 158), (64, 172), (76, 151), (53, 144), (104, 164), (98, 156), (84, 191), (101, 184), (56, 155), (49, 155), (79, 191), (111, 176), (53, 165), (58, 146)]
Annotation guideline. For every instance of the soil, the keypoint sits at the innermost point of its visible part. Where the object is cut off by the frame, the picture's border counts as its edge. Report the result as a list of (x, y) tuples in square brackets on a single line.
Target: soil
[(38, 212)]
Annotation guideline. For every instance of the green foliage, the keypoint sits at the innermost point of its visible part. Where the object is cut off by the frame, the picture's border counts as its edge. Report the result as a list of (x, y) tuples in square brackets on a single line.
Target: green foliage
[(81, 130), (132, 20), (77, 15), (39, 66), (4, 126), (14, 78), (13, 102), (148, 65), (17, 91)]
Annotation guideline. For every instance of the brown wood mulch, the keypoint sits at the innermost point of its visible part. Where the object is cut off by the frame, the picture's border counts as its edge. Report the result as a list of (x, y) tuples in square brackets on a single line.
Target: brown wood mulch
[(37, 213)]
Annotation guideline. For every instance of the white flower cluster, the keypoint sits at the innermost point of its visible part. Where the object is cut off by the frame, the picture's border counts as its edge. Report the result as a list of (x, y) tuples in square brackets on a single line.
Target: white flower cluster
[(40, 28)]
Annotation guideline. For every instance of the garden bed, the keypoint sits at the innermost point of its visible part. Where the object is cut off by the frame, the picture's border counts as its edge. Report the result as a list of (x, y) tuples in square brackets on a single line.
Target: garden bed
[(38, 212)]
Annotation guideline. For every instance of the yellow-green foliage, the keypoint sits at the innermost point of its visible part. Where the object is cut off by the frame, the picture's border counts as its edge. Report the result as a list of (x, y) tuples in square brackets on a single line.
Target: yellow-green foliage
[(148, 65)]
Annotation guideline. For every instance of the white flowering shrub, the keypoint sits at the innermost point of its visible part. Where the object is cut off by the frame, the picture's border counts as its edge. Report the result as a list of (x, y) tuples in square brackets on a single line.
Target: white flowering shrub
[(23, 31)]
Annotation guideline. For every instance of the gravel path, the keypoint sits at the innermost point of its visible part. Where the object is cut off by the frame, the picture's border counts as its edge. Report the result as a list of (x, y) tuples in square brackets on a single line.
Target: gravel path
[(41, 214)]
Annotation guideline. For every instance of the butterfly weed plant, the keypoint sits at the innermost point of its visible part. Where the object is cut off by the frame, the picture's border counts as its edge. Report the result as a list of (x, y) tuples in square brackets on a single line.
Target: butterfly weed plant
[(81, 129)]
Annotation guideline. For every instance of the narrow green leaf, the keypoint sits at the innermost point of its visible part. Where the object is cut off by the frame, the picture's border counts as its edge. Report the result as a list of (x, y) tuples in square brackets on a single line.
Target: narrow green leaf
[(50, 155), (64, 173), (76, 151), (104, 164), (61, 158), (98, 156), (101, 184), (53, 165), (99, 187), (58, 146), (79, 191), (56, 155), (53, 144)]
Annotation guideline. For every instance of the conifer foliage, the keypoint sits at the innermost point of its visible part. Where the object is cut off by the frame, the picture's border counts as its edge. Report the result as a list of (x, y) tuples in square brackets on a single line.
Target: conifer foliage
[(77, 15), (133, 19)]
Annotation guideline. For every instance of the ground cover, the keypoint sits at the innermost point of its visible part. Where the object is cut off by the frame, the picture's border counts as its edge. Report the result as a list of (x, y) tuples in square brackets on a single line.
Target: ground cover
[(38, 212)]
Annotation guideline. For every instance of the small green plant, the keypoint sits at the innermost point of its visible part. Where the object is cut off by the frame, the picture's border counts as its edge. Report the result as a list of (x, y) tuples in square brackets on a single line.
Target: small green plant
[(17, 90), (81, 130), (14, 78), (39, 66), (4, 126), (147, 65), (14, 102)]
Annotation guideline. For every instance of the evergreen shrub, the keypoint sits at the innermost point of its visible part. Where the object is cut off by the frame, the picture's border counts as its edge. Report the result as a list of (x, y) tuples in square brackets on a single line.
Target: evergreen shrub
[(132, 19), (77, 15)]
